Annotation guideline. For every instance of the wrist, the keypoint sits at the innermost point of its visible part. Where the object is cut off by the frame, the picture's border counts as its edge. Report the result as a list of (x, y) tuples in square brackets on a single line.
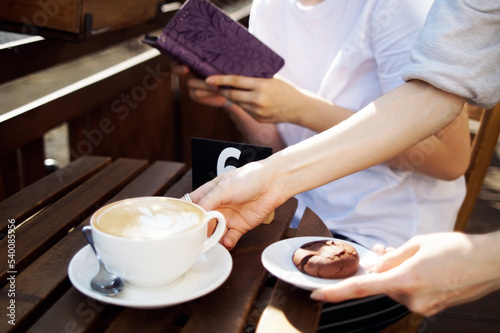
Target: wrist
[(279, 181), (294, 170), (299, 110), (488, 245)]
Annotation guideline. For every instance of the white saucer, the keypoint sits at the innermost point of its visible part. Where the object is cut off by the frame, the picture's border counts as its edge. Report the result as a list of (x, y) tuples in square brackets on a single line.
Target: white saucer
[(277, 259), (209, 272)]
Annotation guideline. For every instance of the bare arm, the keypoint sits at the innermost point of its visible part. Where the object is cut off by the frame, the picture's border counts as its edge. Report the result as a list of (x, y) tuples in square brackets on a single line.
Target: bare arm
[(377, 133), (373, 135), (444, 155), (263, 102)]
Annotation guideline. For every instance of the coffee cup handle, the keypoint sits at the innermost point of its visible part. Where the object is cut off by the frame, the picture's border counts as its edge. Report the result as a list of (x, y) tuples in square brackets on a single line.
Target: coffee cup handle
[(218, 232)]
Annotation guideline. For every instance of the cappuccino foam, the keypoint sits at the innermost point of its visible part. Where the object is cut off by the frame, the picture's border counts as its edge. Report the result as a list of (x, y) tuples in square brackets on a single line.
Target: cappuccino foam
[(147, 218)]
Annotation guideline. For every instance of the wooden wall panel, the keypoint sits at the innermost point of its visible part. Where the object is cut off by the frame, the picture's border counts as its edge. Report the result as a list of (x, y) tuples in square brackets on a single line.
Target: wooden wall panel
[(201, 121), (60, 15), (136, 122), (112, 15)]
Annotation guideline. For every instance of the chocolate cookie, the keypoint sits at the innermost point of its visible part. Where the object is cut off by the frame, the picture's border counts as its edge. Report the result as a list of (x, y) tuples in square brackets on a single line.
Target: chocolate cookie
[(327, 259)]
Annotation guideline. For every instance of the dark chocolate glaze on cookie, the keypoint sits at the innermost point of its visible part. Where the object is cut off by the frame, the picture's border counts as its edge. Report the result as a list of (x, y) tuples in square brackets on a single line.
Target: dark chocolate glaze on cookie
[(327, 259)]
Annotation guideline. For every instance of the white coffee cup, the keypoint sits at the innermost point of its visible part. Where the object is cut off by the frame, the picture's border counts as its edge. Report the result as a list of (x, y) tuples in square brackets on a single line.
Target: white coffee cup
[(152, 241)]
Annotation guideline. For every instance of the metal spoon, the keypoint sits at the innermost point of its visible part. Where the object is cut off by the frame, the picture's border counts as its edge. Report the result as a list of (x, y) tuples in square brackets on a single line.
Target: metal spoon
[(104, 282)]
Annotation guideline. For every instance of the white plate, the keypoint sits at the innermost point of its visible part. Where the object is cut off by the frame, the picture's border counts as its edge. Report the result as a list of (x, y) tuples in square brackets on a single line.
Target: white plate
[(209, 272), (277, 259)]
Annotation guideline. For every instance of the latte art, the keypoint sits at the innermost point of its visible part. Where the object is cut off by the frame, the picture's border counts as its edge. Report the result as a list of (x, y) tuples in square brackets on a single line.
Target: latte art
[(147, 219)]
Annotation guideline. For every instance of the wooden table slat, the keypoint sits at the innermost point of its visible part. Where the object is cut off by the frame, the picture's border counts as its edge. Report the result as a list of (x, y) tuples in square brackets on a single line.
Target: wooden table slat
[(281, 312), (48, 189), (46, 228), (312, 225), (42, 281), (155, 180), (87, 315), (75, 310), (151, 320), (246, 279), (184, 185)]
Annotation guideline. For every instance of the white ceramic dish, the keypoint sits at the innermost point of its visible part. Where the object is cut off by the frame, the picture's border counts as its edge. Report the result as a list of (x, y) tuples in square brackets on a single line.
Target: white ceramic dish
[(277, 259), (209, 272)]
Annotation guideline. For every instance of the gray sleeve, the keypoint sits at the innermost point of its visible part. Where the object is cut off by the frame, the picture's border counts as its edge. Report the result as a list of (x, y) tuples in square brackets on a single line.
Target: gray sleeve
[(458, 50)]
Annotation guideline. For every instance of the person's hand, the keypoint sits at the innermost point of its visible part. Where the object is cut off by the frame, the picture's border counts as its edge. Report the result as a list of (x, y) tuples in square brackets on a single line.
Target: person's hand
[(245, 196), (428, 273), (380, 249), (199, 90), (271, 100)]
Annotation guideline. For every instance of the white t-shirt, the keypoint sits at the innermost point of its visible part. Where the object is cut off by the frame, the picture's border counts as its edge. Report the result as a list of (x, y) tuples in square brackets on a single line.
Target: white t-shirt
[(352, 52)]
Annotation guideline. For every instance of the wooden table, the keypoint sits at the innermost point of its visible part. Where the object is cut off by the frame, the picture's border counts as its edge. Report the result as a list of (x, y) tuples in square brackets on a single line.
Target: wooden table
[(48, 217)]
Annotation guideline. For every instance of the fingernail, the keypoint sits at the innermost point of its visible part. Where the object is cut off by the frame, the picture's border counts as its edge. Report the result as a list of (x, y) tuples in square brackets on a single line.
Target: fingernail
[(317, 295), (210, 80), (227, 243)]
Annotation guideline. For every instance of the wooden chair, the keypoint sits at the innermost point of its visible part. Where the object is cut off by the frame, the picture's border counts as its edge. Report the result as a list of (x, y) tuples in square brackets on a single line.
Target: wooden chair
[(484, 141)]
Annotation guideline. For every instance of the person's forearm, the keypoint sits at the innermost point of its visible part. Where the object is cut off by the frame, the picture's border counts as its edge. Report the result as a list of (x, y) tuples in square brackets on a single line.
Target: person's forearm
[(391, 124), (253, 131), (445, 155), (318, 114)]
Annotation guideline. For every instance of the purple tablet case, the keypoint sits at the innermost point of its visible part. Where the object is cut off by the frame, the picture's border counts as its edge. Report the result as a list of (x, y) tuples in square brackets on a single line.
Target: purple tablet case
[(201, 36)]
